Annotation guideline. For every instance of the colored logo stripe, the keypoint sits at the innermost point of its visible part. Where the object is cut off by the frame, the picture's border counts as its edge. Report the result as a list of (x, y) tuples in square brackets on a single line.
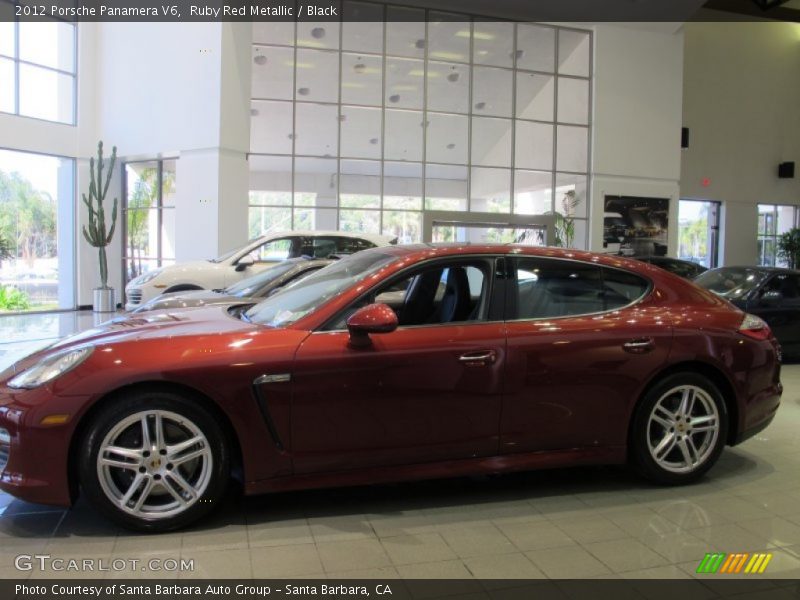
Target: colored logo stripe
[(720, 562)]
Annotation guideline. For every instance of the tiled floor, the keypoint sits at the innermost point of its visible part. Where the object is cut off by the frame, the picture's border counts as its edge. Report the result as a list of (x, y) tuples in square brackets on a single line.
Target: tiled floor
[(593, 522)]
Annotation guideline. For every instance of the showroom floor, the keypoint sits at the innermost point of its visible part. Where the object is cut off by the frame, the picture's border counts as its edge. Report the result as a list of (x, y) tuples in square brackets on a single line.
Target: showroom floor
[(593, 522)]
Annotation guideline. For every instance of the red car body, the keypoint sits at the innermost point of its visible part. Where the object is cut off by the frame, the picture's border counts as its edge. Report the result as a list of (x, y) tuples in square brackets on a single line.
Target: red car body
[(538, 393)]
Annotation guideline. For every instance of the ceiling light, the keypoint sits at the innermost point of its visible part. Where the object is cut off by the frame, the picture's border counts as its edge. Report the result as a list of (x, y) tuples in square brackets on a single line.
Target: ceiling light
[(447, 55), (478, 35), (421, 73), (304, 91), (253, 112), (480, 105), (394, 98), (359, 68), (420, 43), (374, 141), (260, 59), (342, 118), (318, 33), (453, 77), (519, 54), (291, 136), (450, 146)]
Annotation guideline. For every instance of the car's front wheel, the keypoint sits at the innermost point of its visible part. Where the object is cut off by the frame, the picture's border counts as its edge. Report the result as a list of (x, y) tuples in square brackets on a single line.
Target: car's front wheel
[(154, 461), (679, 429)]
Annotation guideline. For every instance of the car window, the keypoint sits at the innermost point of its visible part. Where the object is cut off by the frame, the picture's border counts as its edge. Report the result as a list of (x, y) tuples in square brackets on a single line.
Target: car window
[(786, 284), (273, 251), (251, 285), (346, 245), (731, 282), (547, 288), (435, 295)]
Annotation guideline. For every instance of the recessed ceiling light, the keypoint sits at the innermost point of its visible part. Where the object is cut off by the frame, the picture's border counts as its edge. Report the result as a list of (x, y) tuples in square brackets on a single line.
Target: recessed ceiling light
[(304, 91), (253, 112), (394, 98), (480, 105), (342, 118), (318, 33), (291, 136), (420, 43), (450, 146), (453, 77), (374, 141), (360, 68), (260, 59)]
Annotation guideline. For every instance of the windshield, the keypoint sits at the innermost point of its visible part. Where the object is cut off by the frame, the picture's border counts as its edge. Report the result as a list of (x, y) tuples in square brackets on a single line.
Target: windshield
[(227, 255), (731, 282), (293, 303), (251, 285)]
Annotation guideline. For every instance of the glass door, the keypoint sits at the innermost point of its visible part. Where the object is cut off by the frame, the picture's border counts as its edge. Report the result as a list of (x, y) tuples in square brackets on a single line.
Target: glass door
[(698, 235)]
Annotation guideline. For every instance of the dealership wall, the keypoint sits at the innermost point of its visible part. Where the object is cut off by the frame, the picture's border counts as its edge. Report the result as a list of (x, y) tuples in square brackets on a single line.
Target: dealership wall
[(740, 102)]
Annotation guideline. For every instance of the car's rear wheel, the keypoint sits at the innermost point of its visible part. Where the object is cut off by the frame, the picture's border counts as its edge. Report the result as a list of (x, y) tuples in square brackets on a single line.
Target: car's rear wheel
[(154, 461), (679, 429)]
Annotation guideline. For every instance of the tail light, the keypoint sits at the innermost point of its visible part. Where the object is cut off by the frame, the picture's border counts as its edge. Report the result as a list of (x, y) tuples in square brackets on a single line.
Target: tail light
[(755, 328)]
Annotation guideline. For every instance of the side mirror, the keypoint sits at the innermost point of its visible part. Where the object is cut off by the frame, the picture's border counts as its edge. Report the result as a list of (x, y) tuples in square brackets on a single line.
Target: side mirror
[(375, 318), (771, 298), (244, 262)]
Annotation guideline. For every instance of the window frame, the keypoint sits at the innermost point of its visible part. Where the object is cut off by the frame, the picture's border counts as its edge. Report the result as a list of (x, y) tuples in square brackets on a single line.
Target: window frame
[(17, 61), (512, 306)]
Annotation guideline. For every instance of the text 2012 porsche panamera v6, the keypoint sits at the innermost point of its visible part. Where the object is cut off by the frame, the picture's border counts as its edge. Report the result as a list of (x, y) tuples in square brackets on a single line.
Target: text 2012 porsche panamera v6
[(394, 363)]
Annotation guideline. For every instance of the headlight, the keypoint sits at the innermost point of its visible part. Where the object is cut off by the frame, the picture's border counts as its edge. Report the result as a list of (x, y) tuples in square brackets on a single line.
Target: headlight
[(146, 278), (50, 367)]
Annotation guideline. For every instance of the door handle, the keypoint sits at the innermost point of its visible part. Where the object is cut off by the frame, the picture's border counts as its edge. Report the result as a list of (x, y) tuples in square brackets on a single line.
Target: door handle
[(639, 345), (479, 358)]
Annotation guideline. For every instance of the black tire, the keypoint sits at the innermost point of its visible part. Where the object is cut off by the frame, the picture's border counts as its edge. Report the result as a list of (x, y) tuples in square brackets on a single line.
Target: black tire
[(122, 407), (643, 432)]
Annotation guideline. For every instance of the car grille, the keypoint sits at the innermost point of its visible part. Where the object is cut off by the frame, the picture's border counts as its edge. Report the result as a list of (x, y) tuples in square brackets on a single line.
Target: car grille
[(134, 296), (5, 448)]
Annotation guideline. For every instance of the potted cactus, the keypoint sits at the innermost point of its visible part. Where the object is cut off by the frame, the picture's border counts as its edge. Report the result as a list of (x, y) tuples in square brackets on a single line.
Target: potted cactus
[(98, 233)]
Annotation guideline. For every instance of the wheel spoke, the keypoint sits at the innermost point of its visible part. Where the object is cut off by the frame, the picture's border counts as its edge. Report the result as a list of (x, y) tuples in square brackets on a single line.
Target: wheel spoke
[(119, 464), (132, 453), (183, 485), (178, 460), (687, 402), (173, 452), (688, 459), (662, 412), (146, 443), (666, 424), (159, 431), (665, 446), (704, 428), (704, 419), (148, 487), (135, 485), (174, 493)]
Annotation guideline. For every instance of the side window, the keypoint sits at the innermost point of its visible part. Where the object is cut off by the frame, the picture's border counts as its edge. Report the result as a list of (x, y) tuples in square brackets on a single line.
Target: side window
[(786, 284), (273, 251), (436, 295), (557, 288), (352, 245), (620, 288)]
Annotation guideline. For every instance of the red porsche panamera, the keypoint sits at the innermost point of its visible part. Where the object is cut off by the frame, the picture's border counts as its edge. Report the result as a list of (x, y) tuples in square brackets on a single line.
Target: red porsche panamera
[(394, 363)]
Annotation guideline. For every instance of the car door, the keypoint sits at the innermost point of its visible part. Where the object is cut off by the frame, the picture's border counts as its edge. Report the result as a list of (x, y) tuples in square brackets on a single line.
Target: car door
[(428, 391), (778, 303), (577, 353)]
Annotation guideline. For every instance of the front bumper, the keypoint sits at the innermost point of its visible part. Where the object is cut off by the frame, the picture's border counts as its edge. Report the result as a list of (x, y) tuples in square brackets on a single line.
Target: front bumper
[(38, 457)]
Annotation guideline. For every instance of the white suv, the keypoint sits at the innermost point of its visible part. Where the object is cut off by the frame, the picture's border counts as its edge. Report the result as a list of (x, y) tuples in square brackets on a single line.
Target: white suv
[(246, 261)]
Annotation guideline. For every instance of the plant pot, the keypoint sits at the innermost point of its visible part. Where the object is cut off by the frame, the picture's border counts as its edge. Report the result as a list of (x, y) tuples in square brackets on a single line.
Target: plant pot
[(104, 300)]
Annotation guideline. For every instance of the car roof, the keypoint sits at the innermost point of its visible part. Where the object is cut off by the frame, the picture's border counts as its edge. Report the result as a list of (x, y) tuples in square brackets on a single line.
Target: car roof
[(759, 268), (370, 237)]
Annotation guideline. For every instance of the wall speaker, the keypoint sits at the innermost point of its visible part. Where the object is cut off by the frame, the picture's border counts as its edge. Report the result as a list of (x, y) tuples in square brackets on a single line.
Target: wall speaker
[(684, 137), (786, 170)]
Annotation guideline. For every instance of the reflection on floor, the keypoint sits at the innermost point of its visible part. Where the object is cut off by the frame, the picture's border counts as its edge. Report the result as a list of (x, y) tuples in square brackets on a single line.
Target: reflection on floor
[(593, 522)]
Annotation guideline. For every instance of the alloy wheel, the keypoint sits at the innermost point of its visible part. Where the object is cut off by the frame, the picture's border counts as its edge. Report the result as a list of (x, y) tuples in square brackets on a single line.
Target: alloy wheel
[(154, 464), (683, 428)]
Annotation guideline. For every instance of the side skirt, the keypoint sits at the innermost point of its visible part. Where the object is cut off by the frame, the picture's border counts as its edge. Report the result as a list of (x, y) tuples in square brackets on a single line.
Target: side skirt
[(440, 470)]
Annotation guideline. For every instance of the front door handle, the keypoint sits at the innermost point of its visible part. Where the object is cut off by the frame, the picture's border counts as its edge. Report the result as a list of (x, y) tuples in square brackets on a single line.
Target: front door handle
[(639, 345), (479, 358)]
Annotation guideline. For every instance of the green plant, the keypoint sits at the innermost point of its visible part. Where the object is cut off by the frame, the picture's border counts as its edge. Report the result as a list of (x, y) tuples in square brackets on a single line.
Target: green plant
[(97, 235), (564, 226), (13, 299), (6, 251), (789, 247)]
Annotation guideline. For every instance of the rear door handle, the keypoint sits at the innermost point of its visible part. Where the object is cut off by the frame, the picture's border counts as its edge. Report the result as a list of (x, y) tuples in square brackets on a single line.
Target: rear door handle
[(478, 358), (639, 345)]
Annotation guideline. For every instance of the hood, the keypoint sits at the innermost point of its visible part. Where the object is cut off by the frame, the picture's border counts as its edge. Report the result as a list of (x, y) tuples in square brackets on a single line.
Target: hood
[(214, 320), (181, 271)]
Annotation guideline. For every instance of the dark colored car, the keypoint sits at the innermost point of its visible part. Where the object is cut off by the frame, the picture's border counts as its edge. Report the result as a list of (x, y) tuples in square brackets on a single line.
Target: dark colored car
[(772, 293), (681, 268), (251, 290), (489, 358)]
